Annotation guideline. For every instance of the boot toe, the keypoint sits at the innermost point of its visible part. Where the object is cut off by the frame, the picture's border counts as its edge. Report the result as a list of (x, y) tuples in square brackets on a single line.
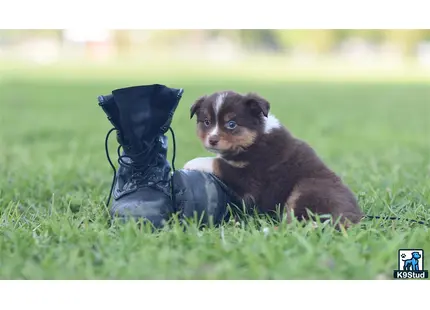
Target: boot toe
[(147, 204)]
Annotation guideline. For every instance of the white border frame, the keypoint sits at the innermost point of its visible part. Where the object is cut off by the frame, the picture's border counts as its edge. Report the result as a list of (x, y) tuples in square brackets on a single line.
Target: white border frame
[(225, 14)]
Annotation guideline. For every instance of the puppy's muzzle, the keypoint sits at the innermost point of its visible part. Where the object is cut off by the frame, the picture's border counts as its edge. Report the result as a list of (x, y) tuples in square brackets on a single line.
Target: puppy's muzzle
[(213, 140)]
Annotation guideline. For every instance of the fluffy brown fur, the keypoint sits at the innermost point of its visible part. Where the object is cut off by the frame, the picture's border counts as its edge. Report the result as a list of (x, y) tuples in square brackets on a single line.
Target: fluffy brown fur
[(261, 161)]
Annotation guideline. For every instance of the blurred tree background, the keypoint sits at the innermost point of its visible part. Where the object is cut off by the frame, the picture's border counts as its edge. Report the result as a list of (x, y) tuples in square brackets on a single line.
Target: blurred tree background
[(319, 42)]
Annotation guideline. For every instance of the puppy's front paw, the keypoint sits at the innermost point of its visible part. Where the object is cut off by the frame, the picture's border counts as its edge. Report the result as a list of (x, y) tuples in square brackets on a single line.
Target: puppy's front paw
[(204, 164)]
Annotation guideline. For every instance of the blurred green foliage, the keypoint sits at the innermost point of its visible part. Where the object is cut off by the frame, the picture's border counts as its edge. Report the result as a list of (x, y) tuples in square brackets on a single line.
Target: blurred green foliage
[(277, 40)]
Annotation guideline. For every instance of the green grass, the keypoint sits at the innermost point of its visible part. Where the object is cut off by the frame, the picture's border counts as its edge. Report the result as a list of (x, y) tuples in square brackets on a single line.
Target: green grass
[(55, 179)]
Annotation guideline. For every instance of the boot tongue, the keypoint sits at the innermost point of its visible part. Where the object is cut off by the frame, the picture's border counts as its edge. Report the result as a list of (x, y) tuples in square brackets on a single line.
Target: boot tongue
[(145, 112)]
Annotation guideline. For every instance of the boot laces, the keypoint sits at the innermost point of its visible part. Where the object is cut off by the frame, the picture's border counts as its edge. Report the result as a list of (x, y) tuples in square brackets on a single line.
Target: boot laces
[(139, 167)]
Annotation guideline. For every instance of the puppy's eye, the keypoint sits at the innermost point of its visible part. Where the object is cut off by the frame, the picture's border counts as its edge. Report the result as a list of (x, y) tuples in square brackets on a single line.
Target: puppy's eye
[(206, 122), (231, 125)]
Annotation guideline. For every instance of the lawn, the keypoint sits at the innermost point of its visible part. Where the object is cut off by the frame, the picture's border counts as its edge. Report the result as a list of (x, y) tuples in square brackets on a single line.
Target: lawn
[(55, 179)]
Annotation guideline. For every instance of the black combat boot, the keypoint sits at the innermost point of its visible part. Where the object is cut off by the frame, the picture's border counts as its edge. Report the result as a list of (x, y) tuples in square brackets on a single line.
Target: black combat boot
[(203, 197), (141, 115)]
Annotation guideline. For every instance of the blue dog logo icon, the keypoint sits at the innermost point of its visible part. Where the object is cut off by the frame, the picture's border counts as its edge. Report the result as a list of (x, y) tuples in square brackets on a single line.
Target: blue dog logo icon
[(412, 263)]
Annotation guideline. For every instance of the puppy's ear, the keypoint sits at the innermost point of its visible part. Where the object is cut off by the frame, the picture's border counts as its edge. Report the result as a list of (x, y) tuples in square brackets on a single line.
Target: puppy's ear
[(196, 106), (257, 104)]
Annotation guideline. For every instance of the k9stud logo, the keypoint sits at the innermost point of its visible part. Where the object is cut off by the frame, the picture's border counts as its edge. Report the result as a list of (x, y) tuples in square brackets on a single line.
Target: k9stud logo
[(410, 264)]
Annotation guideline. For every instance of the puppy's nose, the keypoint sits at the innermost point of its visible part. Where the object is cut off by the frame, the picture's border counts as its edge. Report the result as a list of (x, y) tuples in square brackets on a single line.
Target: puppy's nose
[(213, 140)]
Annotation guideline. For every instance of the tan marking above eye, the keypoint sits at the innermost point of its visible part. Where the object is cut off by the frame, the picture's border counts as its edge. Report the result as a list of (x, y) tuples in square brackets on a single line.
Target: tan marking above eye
[(229, 116), (204, 114)]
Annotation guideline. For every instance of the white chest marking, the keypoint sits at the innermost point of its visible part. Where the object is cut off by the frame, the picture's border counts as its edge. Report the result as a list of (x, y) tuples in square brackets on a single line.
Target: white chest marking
[(270, 123), (204, 164)]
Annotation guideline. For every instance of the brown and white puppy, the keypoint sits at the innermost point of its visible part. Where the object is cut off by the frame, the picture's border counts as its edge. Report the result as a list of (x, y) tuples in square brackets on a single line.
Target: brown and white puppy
[(262, 162)]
